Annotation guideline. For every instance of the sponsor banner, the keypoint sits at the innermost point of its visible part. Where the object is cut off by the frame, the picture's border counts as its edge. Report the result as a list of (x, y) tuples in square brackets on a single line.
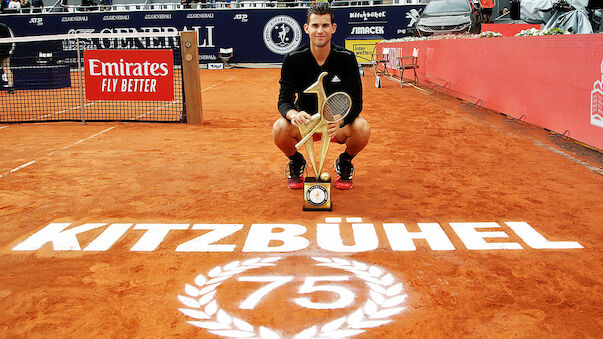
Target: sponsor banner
[(135, 75), (256, 35), (215, 65), (522, 84), (363, 49)]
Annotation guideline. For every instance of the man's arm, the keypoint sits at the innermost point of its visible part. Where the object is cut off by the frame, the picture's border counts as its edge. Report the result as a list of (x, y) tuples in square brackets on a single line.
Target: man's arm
[(286, 95), (354, 89)]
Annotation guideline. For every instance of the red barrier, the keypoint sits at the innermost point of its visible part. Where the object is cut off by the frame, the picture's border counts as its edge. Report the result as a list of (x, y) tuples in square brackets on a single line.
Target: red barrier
[(508, 29), (548, 80)]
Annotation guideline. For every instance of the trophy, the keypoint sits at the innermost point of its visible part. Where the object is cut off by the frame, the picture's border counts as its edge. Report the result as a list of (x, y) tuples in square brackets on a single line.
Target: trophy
[(317, 189)]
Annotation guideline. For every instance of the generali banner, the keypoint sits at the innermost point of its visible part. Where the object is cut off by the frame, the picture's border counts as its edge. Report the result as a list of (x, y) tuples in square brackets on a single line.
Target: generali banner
[(135, 75)]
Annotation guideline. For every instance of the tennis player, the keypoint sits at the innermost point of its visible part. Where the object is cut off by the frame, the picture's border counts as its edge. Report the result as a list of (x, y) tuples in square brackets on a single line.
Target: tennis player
[(6, 50), (300, 70)]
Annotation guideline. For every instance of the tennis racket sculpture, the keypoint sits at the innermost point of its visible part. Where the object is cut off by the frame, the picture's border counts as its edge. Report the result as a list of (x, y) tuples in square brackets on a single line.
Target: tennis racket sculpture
[(331, 109)]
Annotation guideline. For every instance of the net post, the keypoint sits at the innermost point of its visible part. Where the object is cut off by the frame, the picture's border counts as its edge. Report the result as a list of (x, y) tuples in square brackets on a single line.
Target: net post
[(81, 79), (191, 77)]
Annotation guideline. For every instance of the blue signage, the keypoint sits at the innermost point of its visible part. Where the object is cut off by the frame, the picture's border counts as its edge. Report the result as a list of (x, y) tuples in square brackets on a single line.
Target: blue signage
[(257, 35)]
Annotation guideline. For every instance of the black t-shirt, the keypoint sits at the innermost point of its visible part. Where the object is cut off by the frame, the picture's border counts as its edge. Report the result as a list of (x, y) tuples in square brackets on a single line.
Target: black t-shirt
[(300, 70)]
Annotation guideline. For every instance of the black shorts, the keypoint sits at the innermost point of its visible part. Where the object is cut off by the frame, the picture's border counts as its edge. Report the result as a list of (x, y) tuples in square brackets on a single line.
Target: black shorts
[(5, 52), (487, 11)]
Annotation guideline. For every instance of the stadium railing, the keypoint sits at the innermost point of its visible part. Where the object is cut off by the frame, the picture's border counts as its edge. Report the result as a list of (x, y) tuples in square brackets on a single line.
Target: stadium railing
[(131, 5)]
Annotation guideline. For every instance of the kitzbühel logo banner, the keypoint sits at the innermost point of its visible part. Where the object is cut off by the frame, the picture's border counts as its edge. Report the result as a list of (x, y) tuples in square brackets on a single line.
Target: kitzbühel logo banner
[(135, 75)]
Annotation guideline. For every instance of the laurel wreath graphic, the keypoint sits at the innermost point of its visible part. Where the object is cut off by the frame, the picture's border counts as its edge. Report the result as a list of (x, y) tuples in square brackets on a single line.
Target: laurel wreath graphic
[(385, 297)]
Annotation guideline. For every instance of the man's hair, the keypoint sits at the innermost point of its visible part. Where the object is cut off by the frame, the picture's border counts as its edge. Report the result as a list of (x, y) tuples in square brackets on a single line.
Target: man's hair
[(320, 8)]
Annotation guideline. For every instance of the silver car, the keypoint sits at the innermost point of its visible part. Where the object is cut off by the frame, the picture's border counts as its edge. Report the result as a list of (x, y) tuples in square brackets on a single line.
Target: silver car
[(449, 17)]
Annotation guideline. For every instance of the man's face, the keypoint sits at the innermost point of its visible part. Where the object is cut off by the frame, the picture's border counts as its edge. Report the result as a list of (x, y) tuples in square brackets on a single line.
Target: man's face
[(320, 29)]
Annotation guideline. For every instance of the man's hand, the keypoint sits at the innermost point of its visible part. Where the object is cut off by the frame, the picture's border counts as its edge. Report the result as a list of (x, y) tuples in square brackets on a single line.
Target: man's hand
[(332, 129), (300, 118)]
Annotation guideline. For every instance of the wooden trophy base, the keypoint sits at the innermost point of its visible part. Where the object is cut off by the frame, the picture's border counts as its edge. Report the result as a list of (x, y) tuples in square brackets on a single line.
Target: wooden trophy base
[(317, 195)]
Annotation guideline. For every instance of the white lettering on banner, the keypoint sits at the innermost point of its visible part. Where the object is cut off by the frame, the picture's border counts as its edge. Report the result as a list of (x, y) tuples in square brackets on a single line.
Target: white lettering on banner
[(116, 17), (200, 16), (368, 30), (289, 237), (366, 15), (109, 85), (474, 240), (204, 243), (121, 69), (139, 85), (241, 17), (37, 21), (157, 16), (205, 37), (74, 19)]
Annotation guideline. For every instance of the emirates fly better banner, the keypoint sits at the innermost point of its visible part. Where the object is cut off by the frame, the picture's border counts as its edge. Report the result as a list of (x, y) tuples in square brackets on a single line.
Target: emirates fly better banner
[(135, 75)]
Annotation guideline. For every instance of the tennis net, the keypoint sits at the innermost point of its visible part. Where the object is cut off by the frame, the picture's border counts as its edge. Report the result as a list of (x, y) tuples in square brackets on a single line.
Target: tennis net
[(91, 77)]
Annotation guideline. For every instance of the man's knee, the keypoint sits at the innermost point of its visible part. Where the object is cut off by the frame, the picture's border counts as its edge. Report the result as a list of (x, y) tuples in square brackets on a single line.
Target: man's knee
[(361, 127), (280, 126), (283, 129)]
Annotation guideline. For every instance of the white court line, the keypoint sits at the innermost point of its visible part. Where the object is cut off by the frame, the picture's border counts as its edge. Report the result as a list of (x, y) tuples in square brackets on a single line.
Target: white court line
[(219, 83), (1, 127), (179, 100), (53, 152), (569, 157), (65, 110), (156, 109)]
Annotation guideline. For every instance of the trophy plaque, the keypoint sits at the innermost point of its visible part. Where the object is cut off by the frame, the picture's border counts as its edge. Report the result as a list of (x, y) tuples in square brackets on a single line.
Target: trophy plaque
[(317, 189), (317, 194)]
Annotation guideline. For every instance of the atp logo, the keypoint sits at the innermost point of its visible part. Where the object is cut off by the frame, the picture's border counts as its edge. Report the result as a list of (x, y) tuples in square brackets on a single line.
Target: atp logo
[(37, 21), (282, 34), (241, 17), (596, 102)]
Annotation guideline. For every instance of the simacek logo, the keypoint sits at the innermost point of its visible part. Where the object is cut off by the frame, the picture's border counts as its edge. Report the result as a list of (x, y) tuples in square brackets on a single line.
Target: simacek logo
[(364, 30)]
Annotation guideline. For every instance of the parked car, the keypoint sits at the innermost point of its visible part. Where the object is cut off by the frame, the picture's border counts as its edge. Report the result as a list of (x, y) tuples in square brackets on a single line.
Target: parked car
[(450, 17)]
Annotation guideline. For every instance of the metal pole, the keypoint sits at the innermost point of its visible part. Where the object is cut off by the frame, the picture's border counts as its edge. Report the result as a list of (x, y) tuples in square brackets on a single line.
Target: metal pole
[(81, 78)]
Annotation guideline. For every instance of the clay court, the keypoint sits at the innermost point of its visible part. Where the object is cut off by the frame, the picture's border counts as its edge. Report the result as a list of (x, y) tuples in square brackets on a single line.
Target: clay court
[(141, 193)]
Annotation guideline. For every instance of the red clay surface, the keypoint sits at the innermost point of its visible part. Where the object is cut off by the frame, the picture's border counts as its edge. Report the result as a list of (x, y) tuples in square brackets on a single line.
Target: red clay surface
[(430, 160)]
